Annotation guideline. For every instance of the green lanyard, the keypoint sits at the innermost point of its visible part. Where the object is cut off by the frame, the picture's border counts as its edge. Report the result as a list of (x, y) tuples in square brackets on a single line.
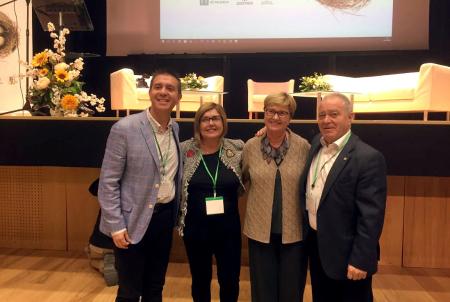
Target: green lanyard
[(163, 159), (316, 169), (213, 179)]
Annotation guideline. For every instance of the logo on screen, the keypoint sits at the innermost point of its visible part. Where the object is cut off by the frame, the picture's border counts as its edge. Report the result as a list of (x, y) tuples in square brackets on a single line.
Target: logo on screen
[(204, 2)]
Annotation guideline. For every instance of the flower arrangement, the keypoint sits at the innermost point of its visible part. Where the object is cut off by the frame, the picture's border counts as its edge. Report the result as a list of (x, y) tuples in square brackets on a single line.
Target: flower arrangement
[(56, 85), (192, 81), (316, 82)]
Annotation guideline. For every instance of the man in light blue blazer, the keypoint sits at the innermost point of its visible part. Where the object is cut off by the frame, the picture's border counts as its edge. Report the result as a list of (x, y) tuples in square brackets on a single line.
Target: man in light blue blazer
[(139, 191)]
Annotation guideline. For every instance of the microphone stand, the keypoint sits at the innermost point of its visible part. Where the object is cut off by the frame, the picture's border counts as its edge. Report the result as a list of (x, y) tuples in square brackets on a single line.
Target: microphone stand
[(27, 45)]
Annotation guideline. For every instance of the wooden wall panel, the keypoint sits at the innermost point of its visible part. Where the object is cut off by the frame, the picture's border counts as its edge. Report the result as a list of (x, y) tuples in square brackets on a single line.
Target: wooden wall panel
[(427, 222), (33, 207), (51, 208), (391, 240), (82, 207)]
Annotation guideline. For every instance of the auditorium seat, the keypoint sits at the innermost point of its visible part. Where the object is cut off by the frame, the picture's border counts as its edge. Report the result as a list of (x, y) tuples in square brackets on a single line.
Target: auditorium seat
[(257, 92), (125, 95)]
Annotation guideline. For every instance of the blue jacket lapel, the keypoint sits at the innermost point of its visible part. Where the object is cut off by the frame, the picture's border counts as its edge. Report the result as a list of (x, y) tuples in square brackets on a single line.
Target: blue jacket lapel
[(149, 138), (341, 161)]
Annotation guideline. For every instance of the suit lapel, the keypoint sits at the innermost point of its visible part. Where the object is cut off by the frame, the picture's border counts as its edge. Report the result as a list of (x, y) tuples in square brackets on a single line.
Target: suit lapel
[(341, 161), (315, 146), (313, 152), (149, 138)]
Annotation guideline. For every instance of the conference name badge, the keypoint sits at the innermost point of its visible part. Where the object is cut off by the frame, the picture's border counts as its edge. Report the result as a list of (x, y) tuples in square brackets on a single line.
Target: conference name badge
[(214, 205)]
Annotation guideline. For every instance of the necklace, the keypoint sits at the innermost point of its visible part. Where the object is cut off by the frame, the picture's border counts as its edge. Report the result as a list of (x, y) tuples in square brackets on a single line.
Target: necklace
[(277, 154)]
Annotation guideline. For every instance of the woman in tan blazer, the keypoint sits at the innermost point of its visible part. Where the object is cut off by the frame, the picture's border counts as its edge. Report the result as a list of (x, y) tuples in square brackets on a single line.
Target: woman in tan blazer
[(272, 166)]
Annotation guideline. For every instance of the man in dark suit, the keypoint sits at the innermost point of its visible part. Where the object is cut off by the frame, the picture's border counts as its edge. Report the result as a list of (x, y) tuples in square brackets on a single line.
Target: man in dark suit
[(139, 191), (343, 192)]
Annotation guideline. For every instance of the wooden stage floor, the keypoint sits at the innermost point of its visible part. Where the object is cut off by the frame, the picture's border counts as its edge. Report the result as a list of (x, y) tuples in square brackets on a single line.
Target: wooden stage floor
[(44, 276)]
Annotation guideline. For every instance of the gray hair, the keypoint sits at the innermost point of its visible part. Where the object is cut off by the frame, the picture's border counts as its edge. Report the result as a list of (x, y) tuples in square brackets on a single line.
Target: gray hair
[(348, 105)]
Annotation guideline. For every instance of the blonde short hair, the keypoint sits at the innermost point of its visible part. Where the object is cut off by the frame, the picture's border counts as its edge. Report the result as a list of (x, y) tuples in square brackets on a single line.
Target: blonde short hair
[(199, 114), (282, 99)]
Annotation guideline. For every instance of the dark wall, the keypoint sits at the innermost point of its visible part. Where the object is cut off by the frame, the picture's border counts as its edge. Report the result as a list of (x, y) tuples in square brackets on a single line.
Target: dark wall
[(43, 141), (237, 68)]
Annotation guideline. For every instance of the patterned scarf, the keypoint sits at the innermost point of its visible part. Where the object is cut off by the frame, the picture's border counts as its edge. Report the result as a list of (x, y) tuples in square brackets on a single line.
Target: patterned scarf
[(277, 154)]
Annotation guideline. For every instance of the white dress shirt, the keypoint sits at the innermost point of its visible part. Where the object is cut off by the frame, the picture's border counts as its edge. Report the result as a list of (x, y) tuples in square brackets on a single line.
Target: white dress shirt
[(318, 173), (168, 162)]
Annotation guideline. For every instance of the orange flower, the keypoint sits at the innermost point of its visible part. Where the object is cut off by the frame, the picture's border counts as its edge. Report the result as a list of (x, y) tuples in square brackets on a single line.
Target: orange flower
[(61, 75), (40, 59), (69, 102), (43, 72)]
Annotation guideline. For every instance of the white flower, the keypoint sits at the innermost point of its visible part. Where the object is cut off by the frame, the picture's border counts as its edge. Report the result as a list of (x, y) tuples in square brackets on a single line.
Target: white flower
[(61, 66), (100, 108), (50, 26), (78, 64), (42, 83), (73, 74)]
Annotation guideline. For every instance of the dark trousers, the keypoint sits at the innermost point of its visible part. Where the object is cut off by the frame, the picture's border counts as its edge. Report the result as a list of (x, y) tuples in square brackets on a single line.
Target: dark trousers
[(226, 247), (277, 271), (142, 267), (325, 289)]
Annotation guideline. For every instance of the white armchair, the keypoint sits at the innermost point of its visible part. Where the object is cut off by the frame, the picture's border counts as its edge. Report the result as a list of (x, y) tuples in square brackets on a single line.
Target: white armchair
[(257, 92), (126, 96)]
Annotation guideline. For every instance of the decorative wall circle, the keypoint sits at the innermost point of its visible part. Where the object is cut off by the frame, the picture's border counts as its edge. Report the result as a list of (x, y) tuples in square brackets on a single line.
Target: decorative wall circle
[(9, 37)]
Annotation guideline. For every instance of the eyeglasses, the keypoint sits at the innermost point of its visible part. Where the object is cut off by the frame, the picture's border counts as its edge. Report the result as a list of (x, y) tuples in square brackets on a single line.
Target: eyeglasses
[(208, 119), (281, 114)]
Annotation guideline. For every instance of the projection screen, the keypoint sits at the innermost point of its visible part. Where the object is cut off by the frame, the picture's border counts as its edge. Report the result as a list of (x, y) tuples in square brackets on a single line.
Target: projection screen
[(243, 26)]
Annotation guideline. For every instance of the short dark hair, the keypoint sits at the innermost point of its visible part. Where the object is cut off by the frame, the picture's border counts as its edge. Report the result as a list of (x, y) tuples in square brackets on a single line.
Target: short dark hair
[(164, 71)]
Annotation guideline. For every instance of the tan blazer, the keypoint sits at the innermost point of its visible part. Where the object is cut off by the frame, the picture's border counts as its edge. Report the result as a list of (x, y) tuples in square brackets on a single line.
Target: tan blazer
[(259, 177)]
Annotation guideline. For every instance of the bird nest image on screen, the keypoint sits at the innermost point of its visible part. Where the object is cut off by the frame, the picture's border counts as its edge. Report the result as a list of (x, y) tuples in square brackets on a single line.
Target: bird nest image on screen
[(345, 4), (8, 36)]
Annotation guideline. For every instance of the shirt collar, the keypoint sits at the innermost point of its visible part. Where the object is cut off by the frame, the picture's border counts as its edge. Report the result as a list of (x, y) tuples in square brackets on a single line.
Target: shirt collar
[(157, 126)]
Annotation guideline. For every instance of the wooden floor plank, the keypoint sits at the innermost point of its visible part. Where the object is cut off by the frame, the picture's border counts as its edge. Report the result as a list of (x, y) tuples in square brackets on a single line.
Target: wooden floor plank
[(55, 276)]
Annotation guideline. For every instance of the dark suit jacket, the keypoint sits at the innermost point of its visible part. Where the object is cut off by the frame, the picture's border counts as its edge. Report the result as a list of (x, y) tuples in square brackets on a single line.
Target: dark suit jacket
[(351, 210)]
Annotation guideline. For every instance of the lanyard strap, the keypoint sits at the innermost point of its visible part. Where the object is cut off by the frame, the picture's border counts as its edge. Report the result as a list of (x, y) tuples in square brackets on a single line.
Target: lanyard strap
[(213, 179), (316, 169), (163, 159)]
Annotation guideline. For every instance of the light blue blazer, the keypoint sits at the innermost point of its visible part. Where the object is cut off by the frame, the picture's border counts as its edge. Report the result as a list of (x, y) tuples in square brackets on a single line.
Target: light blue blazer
[(129, 178)]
